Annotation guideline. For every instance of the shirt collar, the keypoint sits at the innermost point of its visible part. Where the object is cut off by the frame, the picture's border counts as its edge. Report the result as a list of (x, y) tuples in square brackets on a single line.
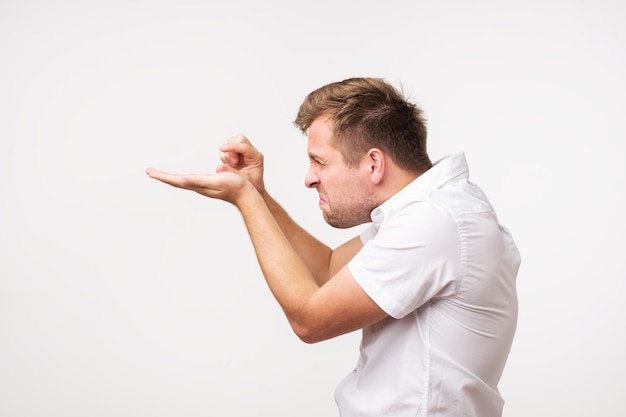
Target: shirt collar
[(445, 170)]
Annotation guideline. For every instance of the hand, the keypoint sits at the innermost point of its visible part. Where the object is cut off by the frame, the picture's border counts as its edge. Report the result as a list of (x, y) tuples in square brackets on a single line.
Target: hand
[(239, 154), (227, 185)]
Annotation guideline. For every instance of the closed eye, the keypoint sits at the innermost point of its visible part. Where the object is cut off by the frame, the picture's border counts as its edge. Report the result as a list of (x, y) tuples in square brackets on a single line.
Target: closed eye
[(316, 161)]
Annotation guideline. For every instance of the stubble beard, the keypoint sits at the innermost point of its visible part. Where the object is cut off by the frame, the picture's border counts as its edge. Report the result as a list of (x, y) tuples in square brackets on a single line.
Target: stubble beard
[(351, 215)]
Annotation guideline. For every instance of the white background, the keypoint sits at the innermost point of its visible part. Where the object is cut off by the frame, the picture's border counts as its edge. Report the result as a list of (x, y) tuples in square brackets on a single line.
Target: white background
[(120, 296)]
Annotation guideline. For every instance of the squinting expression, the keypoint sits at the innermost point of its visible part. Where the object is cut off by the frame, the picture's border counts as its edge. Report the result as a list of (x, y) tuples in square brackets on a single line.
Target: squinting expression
[(344, 195)]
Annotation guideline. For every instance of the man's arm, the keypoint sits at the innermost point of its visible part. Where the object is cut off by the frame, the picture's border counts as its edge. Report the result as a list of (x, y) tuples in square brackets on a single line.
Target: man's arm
[(315, 312)]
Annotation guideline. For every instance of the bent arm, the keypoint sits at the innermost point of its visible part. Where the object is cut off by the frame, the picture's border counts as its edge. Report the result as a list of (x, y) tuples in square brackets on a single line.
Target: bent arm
[(317, 307), (315, 311)]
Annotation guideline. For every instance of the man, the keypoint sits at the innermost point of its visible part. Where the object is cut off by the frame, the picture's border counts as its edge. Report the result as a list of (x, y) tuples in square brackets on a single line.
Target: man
[(431, 282)]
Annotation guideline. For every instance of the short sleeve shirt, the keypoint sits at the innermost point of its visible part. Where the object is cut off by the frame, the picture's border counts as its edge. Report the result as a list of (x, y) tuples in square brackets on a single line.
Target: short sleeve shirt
[(436, 259)]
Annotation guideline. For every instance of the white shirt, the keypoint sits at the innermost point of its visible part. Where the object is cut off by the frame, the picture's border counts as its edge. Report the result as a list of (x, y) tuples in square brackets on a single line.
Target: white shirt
[(438, 262)]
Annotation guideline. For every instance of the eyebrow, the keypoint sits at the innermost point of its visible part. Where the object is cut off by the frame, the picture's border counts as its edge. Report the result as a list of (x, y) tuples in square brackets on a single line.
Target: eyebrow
[(314, 156)]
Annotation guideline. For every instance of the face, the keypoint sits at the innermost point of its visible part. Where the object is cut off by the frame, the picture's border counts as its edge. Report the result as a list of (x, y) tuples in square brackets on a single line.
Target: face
[(345, 197)]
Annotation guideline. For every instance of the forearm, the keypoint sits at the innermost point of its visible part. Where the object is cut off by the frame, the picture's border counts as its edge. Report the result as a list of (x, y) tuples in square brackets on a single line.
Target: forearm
[(315, 254), (314, 312), (289, 279)]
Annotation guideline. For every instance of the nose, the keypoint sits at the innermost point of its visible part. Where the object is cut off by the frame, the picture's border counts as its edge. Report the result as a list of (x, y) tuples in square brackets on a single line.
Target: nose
[(312, 179)]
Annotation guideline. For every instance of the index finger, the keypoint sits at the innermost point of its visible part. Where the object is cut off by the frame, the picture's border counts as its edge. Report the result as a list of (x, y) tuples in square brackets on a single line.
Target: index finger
[(231, 155), (240, 155), (237, 147)]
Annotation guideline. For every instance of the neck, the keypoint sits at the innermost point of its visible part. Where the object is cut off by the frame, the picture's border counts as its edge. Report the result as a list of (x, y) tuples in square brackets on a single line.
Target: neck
[(395, 179)]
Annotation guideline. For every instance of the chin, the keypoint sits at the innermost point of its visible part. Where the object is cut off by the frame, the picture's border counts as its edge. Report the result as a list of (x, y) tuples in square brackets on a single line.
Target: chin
[(339, 224)]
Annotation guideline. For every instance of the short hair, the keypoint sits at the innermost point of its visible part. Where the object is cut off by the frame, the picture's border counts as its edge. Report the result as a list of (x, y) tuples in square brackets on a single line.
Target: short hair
[(367, 113)]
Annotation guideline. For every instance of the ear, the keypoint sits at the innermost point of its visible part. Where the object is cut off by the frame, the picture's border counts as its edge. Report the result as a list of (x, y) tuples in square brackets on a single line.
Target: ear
[(376, 165)]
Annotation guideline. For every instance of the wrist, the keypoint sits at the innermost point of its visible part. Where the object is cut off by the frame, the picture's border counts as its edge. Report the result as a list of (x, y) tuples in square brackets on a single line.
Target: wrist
[(248, 197)]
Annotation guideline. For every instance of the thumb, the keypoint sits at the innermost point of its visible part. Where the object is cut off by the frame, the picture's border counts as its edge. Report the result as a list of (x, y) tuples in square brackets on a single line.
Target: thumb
[(224, 168)]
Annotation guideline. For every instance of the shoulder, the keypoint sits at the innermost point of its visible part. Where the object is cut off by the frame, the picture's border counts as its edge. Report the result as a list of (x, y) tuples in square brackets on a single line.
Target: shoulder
[(420, 218)]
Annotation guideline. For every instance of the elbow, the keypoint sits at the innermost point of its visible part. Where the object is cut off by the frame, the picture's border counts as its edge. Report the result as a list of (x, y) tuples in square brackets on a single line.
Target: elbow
[(308, 340), (308, 334)]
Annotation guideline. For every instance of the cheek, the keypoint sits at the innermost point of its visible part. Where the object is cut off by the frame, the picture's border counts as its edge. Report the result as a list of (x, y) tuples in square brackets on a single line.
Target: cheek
[(342, 188)]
